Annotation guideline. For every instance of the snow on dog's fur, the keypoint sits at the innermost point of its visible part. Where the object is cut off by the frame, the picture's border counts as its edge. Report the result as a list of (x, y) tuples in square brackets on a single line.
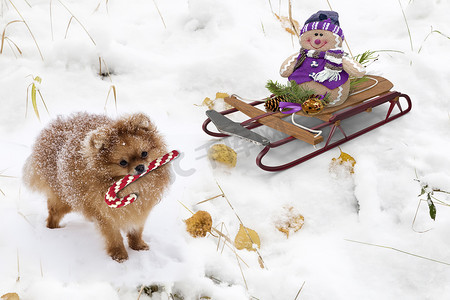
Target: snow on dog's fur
[(77, 158)]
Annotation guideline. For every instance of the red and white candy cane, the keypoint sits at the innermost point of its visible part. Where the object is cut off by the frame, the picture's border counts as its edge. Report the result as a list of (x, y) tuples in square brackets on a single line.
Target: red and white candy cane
[(111, 195)]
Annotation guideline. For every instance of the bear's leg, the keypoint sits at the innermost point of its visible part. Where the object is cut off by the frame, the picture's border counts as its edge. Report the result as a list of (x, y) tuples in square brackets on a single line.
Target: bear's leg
[(135, 240), (336, 96), (339, 94), (57, 209), (114, 241)]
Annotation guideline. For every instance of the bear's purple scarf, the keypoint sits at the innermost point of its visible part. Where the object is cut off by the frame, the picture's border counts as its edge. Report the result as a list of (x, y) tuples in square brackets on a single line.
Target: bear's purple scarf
[(317, 61)]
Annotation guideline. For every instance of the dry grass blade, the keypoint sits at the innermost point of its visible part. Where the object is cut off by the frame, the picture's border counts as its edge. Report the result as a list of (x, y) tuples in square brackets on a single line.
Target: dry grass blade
[(345, 41), (51, 18), (162, 19), (300, 290), (407, 26), (242, 272), (15, 45), (5, 176), (245, 228), (4, 34), (42, 272), (67, 28), (113, 89), (34, 89), (227, 239), (289, 24), (415, 217), (185, 207), (26, 219), (101, 73), (29, 29), (81, 24), (270, 5), (18, 266), (428, 35), (401, 251), (295, 25), (142, 287), (230, 244), (220, 238), (33, 100), (209, 199), (100, 3), (219, 233)]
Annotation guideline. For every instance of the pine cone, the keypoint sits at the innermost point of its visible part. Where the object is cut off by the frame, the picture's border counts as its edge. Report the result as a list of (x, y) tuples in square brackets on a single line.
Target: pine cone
[(272, 104)]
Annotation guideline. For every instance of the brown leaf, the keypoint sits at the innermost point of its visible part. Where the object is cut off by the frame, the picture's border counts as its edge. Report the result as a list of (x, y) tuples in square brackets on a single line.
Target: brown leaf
[(345, 160), (290, 221), (199, 224), (245, 239), (290, 25), (208, 102), (223, 154), (220, 95), (10, 296)]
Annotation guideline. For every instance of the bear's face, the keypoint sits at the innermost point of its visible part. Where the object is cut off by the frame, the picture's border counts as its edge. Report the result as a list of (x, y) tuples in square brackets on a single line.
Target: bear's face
[(320, 40)]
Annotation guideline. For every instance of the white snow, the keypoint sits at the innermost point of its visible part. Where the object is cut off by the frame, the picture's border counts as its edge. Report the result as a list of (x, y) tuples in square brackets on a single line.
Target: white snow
[(164, 70)]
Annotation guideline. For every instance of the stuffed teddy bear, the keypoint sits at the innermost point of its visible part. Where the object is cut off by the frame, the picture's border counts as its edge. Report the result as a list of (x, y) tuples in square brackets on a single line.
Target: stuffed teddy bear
[(321, 65)]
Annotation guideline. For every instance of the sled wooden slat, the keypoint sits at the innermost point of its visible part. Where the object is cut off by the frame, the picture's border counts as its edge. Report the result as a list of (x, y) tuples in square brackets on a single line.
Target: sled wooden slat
[(274, 122), (383, 86)]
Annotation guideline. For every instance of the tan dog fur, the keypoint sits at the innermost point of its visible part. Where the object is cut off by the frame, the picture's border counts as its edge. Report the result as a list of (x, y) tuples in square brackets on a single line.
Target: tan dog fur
[(76, 159)]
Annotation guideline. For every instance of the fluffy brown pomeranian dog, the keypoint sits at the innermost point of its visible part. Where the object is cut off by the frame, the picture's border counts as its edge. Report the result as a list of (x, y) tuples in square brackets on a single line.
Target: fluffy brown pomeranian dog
[(77, 158)]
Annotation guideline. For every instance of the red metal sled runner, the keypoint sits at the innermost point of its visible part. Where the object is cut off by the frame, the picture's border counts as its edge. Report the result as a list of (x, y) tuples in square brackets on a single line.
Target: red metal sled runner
[(366, 97)]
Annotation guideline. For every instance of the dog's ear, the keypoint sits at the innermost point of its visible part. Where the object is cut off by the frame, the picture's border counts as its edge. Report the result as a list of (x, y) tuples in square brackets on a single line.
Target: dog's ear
[(96, 139), (139, 121)]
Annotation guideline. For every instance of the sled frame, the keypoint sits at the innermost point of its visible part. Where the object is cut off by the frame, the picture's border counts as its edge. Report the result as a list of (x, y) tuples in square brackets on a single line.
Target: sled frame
[(331, 117)]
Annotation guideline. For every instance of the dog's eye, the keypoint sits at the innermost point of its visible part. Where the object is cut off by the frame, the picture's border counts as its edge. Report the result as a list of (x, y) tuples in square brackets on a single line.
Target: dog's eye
[(321, 34), (123, 163), (144, 154), (316, 34)]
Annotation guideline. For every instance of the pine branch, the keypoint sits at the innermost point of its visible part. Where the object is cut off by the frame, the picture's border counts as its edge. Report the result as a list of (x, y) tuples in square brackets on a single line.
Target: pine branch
[(276, 88), (291, 91)]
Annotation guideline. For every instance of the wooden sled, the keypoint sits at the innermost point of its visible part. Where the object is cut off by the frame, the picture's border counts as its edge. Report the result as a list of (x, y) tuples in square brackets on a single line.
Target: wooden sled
[(366, 97)]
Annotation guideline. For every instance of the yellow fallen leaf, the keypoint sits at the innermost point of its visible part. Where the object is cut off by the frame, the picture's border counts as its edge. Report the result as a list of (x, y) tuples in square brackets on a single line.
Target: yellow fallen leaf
[(344, 159), (290, 221), (208, 102), (290, 25), (221, 95), (223, 154), (10, 296), (246, 238), (199, 224)]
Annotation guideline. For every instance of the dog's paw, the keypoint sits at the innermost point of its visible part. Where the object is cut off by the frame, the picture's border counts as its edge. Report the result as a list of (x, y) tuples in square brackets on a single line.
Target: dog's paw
[(139, 246), (118, 254), (53, 224)]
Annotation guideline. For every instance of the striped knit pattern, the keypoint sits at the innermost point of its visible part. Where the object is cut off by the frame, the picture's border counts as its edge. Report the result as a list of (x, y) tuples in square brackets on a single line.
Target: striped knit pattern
[(111, 198), (323, 25), (334, 59)]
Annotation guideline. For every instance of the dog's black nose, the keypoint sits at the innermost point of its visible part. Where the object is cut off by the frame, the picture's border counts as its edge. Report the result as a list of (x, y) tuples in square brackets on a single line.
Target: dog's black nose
[(140, 169)]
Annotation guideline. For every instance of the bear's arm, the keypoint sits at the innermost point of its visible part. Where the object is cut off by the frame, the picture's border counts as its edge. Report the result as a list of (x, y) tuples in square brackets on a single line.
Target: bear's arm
[(287, 67), (353, 68)]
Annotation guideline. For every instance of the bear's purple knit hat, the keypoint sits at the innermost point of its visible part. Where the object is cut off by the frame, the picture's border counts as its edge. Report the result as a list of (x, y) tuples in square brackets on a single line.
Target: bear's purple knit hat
[(324, 20)]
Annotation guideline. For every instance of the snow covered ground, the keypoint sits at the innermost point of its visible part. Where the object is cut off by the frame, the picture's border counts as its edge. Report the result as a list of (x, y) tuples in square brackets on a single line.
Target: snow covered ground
[(164, 67)]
